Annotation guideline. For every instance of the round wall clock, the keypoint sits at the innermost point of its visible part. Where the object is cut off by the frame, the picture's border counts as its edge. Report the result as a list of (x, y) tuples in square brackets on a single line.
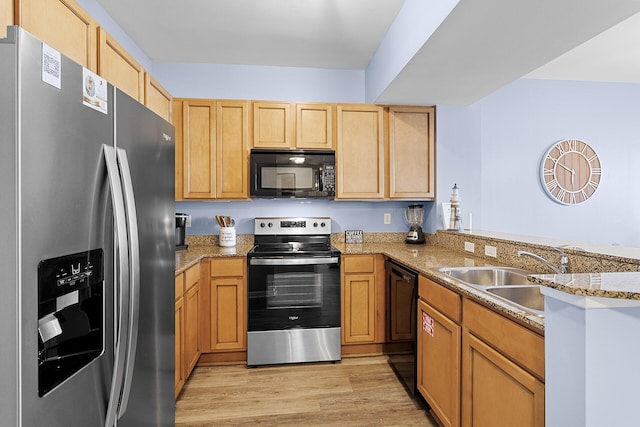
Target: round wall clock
[(570, 171)]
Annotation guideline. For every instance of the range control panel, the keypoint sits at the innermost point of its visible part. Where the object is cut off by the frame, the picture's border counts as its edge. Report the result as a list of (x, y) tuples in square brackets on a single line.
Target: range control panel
[(292, 226)]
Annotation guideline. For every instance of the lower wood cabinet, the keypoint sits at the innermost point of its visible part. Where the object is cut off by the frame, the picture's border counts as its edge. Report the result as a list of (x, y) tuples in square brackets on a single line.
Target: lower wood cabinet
[(192, 347), (227, 305), (363, 300), (179, 338), (502, 371), (438, 348), (187, 324)]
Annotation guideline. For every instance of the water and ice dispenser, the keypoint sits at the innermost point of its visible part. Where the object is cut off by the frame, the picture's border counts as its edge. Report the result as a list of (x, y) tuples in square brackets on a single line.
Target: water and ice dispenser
[(70, 315)]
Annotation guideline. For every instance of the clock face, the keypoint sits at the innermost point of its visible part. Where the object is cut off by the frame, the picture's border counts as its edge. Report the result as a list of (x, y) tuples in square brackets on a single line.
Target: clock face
[(570, 171)]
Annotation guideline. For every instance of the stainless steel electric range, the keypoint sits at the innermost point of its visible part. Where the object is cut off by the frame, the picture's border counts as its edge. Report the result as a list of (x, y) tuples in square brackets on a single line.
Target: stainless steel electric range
[(293, 292)]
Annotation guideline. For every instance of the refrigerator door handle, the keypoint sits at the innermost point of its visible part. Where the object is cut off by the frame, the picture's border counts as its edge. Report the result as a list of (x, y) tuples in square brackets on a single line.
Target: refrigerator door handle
[(121, 285), (134, 275)]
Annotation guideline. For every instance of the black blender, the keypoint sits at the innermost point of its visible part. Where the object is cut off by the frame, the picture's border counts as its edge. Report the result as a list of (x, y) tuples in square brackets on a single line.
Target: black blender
[(414, 216)]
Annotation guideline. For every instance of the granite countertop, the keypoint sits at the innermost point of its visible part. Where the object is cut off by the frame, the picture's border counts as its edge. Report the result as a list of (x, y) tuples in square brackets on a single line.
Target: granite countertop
[(195, 253), (622, 285), (427, 259)]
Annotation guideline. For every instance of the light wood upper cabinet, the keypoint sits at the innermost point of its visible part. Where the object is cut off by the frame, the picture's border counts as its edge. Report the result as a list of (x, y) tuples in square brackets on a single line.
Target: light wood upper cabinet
[(198, 149), (63, 25), (177, 123), (272, 125), (117, 66), (6, 16), (411, 153), (314, 126), (212, 149), (360, 152), (157, 99), (232, 140)]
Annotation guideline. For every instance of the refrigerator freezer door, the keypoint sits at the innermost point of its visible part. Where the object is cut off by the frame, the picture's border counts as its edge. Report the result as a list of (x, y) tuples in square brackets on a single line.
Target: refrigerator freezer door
[(61, 208), (149, 144)]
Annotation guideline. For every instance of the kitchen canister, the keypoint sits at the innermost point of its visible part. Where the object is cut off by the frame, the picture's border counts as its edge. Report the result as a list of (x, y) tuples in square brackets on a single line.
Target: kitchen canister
[(227, 236)]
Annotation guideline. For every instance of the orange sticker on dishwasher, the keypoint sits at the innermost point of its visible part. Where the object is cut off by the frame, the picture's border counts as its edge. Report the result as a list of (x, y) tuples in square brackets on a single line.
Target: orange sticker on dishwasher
[(427, 323)]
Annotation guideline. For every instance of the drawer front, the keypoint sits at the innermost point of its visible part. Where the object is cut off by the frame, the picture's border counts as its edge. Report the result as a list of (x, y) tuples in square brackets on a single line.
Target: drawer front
[(522, 345), (227, 267), (192, 275), (445, 300), (179, 285), (358, 263)]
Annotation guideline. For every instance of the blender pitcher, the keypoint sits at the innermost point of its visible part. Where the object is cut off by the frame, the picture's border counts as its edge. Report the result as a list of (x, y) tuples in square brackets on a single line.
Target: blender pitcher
[(414, 215)]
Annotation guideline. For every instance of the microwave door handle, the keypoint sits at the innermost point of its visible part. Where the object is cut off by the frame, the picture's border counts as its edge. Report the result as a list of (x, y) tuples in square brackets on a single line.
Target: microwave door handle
[(121, 285), (134, 276)]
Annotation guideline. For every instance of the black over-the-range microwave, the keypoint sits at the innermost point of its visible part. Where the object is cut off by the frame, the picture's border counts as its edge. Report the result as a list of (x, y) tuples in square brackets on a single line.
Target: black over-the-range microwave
[(293, 173)]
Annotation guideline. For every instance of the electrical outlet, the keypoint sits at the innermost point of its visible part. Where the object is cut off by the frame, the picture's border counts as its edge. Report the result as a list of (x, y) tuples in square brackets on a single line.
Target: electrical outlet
[(490, 251), (469, 247), (387, 218), (188, 221)]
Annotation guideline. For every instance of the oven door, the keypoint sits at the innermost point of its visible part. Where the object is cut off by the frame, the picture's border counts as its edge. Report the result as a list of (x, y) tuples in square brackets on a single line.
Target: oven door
[(290, 293)]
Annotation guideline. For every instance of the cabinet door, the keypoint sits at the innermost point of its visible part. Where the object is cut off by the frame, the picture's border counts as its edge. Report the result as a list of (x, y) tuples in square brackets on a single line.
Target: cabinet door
[(191, 328), (63, 25), (495, 391), (314, 126), (177, 123), (232, 139), (412, 153), (6, 16), (360, 152), (157, 99), (358, 323), (198, 149), (439, 363), (118, 67), (179, 342), (272, 125), (228, 325)]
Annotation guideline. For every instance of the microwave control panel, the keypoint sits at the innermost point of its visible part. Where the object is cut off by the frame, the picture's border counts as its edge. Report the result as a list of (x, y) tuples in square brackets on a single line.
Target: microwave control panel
[(329, 178)]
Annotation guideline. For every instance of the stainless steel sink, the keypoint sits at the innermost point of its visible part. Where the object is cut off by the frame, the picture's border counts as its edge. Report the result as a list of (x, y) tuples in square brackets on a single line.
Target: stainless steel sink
[(488, 276), (528, 297), (507, 283)]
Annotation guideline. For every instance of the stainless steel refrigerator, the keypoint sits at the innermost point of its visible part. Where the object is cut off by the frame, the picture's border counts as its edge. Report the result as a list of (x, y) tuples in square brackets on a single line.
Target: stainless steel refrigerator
[(87, 254)]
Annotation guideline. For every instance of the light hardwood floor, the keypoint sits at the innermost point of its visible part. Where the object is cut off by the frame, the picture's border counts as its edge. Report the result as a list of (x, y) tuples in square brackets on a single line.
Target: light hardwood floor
[(360, 391)]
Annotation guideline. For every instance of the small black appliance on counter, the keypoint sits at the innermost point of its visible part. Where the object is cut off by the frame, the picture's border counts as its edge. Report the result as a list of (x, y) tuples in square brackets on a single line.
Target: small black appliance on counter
[(181, 225)]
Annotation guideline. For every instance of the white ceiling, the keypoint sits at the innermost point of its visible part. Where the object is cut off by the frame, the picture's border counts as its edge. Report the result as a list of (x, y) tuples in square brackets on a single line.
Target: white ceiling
[(482, 45)]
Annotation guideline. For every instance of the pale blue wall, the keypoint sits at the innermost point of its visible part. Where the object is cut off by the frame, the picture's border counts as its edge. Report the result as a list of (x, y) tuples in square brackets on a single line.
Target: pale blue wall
[(522, 120), (260, 83)]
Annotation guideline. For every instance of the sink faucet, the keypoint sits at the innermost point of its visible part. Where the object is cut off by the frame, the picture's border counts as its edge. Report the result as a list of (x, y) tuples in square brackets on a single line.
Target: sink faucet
[(564, 260)]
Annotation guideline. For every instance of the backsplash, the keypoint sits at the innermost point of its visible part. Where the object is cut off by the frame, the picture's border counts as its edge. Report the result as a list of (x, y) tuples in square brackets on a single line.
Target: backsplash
[(579, 261)]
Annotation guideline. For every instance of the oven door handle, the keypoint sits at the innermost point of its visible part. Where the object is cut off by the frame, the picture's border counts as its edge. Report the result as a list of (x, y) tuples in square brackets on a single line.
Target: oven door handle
[(294, 261)]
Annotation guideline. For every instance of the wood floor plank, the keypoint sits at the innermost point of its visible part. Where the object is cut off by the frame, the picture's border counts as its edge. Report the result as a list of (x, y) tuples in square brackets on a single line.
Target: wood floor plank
[(361, 391)]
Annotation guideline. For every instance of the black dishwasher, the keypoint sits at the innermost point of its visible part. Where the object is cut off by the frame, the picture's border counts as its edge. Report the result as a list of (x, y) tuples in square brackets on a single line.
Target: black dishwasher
[(402, 295)]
